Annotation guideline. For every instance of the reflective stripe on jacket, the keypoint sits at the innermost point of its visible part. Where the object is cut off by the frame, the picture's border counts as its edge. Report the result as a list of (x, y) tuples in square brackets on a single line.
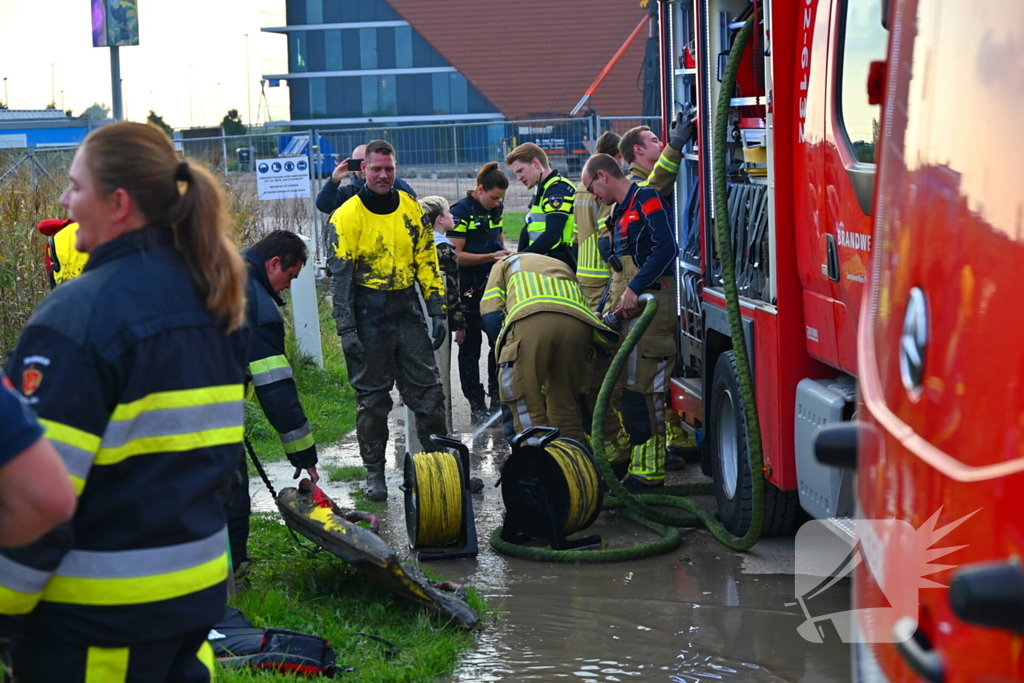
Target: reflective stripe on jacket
[(554, 198)]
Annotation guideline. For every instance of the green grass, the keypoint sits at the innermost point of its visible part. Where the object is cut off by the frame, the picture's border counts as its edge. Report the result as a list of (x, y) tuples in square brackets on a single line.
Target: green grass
[(320, 594), (325, 393), (512, 225), (344, 472)]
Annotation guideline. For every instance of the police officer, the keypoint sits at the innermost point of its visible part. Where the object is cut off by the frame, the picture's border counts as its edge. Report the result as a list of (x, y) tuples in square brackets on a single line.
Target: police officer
[(135, 369), (382, 249), (645, 247), (479, 242), (549, 229), (273, 263), (543, 331)]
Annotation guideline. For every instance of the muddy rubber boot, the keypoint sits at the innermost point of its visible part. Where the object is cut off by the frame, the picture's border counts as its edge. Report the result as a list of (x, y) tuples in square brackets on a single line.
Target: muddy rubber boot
[(375, 488)]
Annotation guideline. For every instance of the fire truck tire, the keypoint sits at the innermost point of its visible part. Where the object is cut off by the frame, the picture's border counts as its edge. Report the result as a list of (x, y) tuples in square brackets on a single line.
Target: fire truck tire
[(730, 461)]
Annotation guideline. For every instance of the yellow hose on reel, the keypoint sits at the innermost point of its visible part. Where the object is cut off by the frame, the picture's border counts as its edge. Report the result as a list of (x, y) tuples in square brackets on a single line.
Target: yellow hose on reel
[(434, 503), (582, 480)]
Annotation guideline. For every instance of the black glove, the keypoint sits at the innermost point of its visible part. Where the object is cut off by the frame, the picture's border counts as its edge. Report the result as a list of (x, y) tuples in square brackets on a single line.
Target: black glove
[(437, 330), (681, 132), (351, 345)]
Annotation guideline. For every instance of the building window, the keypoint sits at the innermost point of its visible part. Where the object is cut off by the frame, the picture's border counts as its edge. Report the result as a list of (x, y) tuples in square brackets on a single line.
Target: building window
[(371, 95), (368, 48), (403, 47), (864, 40), (315, 60), (314, 11), (297, 52), (299, 94), (295, 12), (318, 98), (332, 51), (386, 48)]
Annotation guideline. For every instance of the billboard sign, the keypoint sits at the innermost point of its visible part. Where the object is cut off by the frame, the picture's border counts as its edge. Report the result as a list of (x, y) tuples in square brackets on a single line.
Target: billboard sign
[(115, 23)]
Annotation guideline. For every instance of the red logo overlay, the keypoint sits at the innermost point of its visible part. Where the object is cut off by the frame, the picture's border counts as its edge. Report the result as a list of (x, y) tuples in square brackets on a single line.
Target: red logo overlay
[(30, 380)]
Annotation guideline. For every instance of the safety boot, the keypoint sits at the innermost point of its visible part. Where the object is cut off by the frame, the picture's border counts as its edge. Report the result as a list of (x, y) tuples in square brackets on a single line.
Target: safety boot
[(376, 488), (478, 411)]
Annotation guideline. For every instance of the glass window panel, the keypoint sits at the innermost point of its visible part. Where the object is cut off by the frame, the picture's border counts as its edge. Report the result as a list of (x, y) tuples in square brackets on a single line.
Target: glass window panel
[(298, 91), (350, 57), (388, 96), (371, 95), (332, 12), (368, 48), (315, 47), (864, 41), (442, 97), (332, 50), (318, 98), (344, 97), (314, 11), (297, 52), (295, 11), (459, 95), (478, 104), (407, 96), (385, 48), (403, 47)]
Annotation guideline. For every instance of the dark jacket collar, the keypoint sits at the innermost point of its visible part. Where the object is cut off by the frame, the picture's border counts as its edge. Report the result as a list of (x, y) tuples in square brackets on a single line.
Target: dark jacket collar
[(150, 237), (380, 204), (258, 270)]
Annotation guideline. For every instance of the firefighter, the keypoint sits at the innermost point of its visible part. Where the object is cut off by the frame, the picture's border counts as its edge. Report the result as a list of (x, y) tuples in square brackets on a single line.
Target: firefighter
[(644, 251), (479, 242), (543, 330), (35, 492), (382, 249), (651, 163), (549, 228), (273, 263), (135, 370), (63, 261)]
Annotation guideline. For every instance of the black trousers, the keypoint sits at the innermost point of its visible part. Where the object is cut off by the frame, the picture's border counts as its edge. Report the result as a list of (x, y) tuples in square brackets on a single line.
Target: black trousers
[(238, 507), (469, 352), (187, 658), (397, 349)]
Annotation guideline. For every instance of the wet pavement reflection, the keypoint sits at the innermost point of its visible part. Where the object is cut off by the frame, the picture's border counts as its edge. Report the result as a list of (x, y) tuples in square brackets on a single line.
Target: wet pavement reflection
[(700, 613)]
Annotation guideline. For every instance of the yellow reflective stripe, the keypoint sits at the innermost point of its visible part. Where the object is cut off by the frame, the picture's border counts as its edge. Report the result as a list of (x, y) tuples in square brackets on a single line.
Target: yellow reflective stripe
[(299, 445), (13, 602), (540, 288), (77, 483), (58, 431), (666, 164), (494, 293), (137, 590), (106, 665), (267, 364), (206, 657), (173, 443), (182, 398)]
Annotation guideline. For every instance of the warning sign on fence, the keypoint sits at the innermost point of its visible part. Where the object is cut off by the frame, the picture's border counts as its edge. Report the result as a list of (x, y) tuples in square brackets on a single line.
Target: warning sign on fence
[(282, 178)]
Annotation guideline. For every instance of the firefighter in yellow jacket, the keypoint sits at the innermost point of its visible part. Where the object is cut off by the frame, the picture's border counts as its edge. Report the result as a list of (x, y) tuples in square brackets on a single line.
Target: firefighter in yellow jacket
[(543, 330), (383, 249)]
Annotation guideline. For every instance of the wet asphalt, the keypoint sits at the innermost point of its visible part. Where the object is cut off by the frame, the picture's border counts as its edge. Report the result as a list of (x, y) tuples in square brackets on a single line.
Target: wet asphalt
[(699, 613)]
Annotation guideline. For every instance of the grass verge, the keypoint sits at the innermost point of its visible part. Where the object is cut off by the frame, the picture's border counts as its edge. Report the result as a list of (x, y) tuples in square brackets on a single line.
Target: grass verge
[(320, 594), (512, 224), (325, 393), (344, 472)]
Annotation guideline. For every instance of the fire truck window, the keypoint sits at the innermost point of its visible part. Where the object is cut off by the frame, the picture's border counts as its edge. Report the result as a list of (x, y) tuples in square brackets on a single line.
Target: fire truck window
[(864, 40)]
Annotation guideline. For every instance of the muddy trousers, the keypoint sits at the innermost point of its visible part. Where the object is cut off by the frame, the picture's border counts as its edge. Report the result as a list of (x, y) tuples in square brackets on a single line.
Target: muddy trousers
[(187, 658), (616, 440), (397, 349), (469, 353), (542, 370)]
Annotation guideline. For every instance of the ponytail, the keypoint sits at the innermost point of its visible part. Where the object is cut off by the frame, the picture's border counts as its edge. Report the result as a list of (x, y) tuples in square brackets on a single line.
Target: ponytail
[(491, 177), (140, 158)]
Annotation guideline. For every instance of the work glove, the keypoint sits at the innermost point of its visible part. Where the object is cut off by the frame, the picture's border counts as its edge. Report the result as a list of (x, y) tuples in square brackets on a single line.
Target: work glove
[(437, 330), (681, 132), (351, 345)]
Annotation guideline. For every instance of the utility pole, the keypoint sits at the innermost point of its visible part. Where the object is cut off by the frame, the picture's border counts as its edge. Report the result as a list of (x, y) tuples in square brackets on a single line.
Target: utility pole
[(248, 87)]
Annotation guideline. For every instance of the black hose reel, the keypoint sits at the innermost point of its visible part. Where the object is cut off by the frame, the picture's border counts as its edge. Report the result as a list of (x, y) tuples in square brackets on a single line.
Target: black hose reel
[(551, 489), (438, 504)]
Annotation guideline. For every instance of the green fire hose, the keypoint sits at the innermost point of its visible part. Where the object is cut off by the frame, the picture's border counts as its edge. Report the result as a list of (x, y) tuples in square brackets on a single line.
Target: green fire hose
[(640, 508)]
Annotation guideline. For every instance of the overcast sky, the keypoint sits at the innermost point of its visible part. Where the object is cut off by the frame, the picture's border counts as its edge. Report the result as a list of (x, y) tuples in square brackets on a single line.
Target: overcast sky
[(209, 35)]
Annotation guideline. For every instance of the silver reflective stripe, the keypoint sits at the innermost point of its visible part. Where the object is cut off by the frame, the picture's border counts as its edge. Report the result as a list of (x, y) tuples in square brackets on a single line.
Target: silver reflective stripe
[(17, 577), (535, 235), (127, 564), (524, 415), (77, 460), (505, 388), (296, 434), (659, 377), (633, 356), (659, 398), (173, 421), (271, 376), (514, 265)]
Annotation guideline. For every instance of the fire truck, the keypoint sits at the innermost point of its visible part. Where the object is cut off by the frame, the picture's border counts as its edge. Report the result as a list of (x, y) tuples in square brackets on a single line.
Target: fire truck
[(799, 157)]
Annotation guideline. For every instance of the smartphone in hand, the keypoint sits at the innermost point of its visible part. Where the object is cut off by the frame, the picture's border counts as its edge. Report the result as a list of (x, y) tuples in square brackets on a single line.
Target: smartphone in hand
[(355, 165)]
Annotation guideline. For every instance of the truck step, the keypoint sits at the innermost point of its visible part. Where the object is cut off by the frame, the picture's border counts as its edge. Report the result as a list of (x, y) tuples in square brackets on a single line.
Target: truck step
[(843, 527)]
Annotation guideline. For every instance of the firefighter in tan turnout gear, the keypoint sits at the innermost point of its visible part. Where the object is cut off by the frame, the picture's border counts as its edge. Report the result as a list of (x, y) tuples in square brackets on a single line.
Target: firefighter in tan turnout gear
[(543, 330)]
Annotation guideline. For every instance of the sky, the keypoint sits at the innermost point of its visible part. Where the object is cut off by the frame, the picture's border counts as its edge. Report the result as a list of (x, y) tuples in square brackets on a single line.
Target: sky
[(47, 47)]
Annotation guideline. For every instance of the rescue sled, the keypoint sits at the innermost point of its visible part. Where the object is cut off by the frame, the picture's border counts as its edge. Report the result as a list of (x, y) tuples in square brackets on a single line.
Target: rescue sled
[(308, 511)]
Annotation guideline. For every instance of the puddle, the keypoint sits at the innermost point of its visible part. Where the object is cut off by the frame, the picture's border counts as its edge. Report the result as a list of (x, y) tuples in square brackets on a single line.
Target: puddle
[(701, 613)]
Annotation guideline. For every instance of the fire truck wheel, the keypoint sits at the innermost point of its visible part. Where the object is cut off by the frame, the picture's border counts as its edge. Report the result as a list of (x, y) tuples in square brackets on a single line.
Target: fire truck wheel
[(730, 460)]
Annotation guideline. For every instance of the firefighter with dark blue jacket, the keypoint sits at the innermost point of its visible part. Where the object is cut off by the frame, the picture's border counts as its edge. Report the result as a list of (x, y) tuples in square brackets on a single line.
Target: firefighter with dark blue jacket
[(550, 229), (645, 250), (135, 369), (273, 263), (479, 242)]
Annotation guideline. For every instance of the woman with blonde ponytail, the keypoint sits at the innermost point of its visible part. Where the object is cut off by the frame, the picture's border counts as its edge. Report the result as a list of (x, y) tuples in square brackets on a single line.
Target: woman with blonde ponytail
[(135, 369)]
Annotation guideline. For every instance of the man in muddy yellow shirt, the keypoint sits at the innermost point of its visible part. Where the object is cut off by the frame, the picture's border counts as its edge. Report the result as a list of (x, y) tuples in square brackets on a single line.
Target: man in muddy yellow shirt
[(382, 250)]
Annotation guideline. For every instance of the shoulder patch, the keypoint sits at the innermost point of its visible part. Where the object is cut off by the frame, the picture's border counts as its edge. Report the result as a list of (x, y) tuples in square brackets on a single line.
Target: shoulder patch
[(555, 202), (652, 205)]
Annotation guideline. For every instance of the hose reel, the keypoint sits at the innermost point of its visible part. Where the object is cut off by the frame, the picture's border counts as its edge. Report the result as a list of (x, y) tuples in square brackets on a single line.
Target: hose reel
[(438, 505), (551, 489)]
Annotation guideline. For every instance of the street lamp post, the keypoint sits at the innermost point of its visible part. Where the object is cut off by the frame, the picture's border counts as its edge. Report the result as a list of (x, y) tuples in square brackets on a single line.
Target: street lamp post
[(62, 100), (248, 86), (7, 100)]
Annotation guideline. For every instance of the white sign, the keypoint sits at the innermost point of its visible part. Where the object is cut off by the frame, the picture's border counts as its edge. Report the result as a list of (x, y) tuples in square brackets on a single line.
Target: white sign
[(282, 178)]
